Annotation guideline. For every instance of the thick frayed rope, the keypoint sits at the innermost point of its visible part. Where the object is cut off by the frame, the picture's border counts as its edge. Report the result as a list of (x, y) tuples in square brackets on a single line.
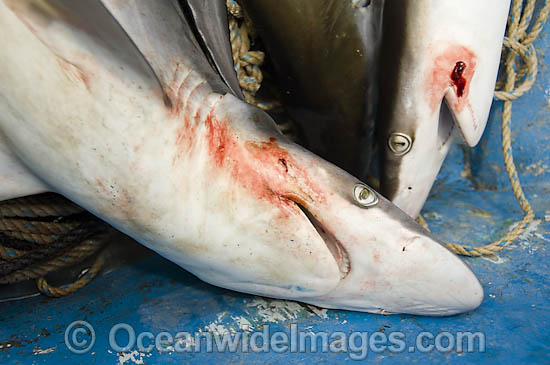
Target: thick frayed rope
[(247, 66), (44, 233)]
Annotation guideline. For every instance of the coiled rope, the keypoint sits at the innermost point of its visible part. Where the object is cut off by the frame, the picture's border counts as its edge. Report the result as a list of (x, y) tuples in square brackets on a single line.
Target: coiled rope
[(44, 233), (247, 64), (520, 72)]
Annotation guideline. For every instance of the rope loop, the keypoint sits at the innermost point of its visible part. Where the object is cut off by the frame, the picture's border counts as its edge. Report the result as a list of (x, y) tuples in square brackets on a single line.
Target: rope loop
[(528, 73), (45, 233), (247, 63)]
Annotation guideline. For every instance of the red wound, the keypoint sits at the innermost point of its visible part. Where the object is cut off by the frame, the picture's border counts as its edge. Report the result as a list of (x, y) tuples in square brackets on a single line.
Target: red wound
[(454, 66), (262, 168), (458, 80)]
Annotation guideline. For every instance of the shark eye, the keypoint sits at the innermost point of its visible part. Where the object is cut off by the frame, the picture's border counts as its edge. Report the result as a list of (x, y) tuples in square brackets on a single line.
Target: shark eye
[(364, 195), (360, 3), (399, 143)]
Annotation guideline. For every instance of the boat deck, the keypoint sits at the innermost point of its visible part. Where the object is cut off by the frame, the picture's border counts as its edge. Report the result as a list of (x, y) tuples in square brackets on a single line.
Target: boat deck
[(155, 295)]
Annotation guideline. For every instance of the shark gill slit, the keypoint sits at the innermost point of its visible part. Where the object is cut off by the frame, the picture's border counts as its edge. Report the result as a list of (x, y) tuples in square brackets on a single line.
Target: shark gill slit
[(445, 125)]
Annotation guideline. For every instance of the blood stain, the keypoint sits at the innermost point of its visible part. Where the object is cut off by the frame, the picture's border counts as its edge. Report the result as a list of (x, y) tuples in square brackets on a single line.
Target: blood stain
[(458, 80)]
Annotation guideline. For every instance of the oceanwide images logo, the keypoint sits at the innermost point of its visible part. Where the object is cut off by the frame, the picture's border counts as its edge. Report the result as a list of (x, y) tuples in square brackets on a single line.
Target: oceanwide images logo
[(80, 338)]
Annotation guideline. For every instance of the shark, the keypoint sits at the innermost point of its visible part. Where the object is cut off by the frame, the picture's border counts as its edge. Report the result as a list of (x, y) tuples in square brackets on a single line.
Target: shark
[(439, 65), (117, 106)]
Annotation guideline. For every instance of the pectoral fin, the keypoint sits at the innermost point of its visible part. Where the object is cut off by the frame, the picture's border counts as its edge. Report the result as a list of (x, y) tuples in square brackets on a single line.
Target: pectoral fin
[(211, 21), (165, 39)]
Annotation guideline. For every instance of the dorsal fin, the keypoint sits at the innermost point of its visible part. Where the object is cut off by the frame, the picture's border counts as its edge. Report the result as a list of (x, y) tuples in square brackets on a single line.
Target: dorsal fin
[(211, 21)]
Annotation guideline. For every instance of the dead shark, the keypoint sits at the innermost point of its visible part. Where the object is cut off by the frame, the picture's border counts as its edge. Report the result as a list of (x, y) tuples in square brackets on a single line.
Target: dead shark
[(439, 66), (115, 106)]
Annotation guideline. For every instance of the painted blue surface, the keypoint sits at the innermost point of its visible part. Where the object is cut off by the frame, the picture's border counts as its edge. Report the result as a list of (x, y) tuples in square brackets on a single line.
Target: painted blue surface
[(155, 295)]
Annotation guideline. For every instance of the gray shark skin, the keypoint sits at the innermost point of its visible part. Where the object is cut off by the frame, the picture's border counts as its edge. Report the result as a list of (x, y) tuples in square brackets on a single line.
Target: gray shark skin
[(325, 56)]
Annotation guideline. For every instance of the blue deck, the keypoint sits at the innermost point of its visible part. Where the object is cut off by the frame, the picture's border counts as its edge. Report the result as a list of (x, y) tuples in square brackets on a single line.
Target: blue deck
[(155, 295)]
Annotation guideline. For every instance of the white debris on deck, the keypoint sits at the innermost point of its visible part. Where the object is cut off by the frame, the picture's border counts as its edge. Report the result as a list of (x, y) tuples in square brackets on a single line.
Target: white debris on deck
[(530, 231), (494, 259), (39, 351), (320, 312), (243, 323), (262, 311), (273, 310), (530, 234), (134, 357), (217, 327), (537, 168)]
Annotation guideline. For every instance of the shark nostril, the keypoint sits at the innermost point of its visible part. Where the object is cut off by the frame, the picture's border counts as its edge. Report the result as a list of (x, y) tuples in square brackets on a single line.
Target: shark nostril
[(360, 3)]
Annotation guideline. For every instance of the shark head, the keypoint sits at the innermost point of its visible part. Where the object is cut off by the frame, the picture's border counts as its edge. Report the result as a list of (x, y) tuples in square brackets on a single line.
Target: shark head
[(439, 64), (307, 230)]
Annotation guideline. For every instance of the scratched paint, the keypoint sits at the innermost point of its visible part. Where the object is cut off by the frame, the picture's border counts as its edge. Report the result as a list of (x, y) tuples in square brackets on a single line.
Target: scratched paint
[(261, 311)]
